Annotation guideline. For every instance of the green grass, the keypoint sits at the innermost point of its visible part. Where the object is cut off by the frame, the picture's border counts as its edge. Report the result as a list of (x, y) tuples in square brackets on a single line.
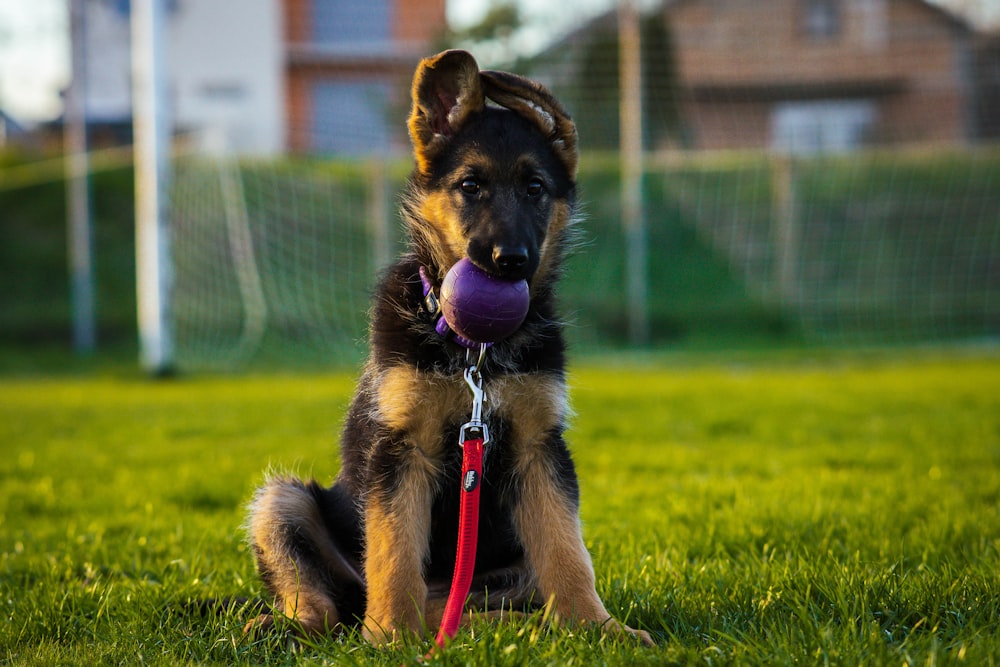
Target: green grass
[(818, 509)]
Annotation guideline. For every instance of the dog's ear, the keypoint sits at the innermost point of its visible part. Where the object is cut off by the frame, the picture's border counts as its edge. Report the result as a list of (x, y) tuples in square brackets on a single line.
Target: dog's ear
[(446, 89), (534, 102)]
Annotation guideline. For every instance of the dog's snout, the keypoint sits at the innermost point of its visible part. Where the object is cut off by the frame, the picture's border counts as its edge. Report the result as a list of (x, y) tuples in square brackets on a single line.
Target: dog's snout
[(510, 259)]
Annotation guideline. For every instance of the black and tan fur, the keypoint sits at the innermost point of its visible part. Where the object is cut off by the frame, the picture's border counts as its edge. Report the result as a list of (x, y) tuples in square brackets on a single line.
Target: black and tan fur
[(493, 181)]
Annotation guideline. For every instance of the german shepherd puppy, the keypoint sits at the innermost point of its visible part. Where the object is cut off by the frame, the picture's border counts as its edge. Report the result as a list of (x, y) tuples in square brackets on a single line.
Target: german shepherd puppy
[(494, 183)]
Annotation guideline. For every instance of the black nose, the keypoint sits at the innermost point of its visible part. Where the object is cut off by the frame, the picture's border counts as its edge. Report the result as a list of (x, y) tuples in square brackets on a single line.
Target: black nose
[(510, 260)]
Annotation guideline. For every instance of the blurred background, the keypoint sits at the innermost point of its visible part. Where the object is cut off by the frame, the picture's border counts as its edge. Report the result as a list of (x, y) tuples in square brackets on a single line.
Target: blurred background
[(755, 174)]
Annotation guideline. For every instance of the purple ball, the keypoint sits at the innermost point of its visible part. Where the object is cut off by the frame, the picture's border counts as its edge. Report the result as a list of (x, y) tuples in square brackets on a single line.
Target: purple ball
[(480, 307)]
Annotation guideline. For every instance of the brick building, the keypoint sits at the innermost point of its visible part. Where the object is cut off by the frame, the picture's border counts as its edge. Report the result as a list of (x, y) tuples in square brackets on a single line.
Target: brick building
[(348, 66), (805, 75)]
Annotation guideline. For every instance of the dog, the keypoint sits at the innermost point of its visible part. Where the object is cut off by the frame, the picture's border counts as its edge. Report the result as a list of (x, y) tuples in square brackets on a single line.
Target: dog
[(494, 181)]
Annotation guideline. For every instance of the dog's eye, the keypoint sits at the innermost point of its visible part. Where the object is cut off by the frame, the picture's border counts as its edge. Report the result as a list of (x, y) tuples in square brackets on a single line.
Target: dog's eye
[(535, 186), (470, 186)]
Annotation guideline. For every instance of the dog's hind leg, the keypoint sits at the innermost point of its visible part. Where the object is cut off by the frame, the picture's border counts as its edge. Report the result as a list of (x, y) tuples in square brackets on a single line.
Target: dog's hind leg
[(297, 533)]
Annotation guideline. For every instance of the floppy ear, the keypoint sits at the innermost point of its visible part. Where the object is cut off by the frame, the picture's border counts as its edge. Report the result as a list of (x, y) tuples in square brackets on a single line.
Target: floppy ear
[(534, 102), (446, 89)]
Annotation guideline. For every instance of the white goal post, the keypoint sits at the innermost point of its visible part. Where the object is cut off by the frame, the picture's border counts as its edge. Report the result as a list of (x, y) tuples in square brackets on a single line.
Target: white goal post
[(152, 130)]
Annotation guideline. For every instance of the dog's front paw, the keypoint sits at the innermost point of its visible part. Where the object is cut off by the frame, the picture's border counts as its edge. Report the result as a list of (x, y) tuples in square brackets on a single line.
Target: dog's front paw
[(613, 627), (641, 635)]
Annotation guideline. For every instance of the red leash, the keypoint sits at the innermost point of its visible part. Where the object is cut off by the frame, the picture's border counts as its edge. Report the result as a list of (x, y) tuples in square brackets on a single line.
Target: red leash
[(468, 534), (474, 438)]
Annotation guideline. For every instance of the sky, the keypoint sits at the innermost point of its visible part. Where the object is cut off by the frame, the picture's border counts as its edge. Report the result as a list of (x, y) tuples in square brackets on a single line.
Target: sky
[(34, 57), (34, 54)]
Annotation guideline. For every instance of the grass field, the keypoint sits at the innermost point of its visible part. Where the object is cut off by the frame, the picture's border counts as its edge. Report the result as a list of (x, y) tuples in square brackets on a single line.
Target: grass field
[(840, 509)]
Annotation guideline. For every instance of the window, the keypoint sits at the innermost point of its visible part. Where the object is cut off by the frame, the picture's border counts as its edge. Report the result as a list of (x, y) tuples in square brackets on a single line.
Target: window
[(821, 18), (822, 126), (349, 118), (350, 21)]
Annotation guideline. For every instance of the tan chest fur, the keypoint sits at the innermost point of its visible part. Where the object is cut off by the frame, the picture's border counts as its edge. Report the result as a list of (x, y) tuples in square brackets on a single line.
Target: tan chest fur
[(423, 405)]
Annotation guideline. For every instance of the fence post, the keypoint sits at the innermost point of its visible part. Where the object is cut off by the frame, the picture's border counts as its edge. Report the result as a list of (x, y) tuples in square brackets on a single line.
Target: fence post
[(633, 216), (785, 231), (80, 232)]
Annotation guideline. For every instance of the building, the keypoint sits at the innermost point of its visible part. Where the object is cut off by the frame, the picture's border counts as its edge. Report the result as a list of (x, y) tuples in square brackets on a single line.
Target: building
[(348, 68), (988, 86), (262, 77), (808, 75), (793, 75), (226, 64), (225, 69)]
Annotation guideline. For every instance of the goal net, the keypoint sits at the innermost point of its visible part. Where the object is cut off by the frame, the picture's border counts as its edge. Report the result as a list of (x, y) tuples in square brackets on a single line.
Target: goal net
[(274, 261)]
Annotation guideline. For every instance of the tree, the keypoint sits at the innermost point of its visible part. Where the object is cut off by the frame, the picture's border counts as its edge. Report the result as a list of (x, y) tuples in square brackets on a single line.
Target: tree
[(493, 38)]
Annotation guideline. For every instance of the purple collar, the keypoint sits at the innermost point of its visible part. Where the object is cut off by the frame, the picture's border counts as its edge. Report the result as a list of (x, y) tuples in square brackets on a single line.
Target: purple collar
[(433, 306)]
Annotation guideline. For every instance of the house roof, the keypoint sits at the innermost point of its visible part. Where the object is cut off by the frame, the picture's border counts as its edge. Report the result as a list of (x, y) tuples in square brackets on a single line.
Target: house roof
[(609, 19)]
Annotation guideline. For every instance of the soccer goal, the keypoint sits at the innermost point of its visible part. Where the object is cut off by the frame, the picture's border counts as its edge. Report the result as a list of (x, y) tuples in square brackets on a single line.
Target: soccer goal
[(276, 260)]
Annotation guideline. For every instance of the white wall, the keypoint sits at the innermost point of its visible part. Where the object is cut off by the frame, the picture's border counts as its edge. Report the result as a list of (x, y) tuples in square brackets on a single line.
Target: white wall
[(225, 65), (109, 72), (226, 68)]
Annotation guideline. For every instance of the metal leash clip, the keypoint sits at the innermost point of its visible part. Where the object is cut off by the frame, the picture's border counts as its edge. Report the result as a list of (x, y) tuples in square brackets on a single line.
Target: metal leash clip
[(475, 428)]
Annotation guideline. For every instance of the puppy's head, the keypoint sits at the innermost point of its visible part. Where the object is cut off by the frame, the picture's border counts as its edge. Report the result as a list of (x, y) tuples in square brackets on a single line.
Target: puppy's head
[(494, 182)]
